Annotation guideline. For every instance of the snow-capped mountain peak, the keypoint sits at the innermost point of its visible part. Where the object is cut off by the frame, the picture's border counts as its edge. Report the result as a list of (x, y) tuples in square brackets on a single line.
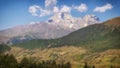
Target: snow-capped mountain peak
[(62, 19), (90, 19), (66, 20)]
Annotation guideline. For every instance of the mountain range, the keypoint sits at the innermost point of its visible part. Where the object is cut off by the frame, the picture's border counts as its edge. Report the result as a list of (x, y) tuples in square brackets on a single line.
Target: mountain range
[(96, 37), (59, 25)]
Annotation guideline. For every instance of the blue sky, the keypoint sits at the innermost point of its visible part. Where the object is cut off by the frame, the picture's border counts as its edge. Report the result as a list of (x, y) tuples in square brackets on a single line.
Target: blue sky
[(20, 12)]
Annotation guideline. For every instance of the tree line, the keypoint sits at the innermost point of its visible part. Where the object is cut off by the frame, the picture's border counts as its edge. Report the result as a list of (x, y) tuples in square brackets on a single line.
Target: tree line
[(9, 61)]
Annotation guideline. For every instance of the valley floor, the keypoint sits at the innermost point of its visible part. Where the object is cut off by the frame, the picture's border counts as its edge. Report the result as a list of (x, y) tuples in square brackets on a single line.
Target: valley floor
[(77, 56)]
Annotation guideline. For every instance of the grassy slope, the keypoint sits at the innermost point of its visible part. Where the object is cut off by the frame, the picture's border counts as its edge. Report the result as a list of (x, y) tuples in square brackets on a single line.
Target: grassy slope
[(4, 48)]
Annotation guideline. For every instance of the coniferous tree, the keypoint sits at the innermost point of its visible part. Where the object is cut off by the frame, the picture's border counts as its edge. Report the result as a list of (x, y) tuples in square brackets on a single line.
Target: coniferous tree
[(68, 65), (24, 63), (93, 66), (111, 66), (39, 65), (54, 64), (86, 66), (12, 62), (8, 61)]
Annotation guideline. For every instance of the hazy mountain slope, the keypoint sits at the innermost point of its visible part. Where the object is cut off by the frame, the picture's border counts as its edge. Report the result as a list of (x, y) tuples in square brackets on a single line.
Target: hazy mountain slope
[(3, 39), (97, 37)]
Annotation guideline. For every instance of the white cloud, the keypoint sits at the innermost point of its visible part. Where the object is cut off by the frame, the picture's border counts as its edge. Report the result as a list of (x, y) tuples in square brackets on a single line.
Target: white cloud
[(103, 8), (49, 4), (81, 8), (31, 23), (44, 12), (33, 10), (51, 8), (36, 10), (56, 9), (65, 9)]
